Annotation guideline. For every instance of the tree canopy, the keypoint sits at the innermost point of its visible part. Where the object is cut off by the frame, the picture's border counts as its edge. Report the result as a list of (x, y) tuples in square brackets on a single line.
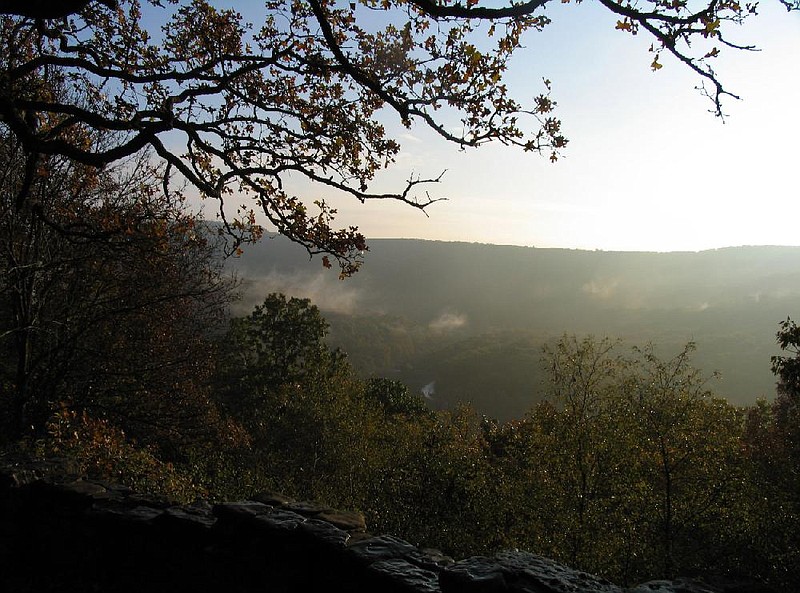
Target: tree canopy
[(235, 108)]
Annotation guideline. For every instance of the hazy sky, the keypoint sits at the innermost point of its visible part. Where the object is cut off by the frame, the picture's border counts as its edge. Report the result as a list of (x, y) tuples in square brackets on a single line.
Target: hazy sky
[(647, 167)]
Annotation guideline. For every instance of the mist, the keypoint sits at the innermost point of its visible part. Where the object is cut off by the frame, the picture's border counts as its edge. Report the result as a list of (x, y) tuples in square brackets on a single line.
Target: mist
[(324, 290)]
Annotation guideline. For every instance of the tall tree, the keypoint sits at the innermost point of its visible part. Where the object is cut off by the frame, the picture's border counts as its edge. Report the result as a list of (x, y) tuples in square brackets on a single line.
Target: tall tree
[(281, 341), (773, 448), (106, 288), (687, 446), (787, 368), (785, 421), (302, 92), (584, 380), (642, 453)]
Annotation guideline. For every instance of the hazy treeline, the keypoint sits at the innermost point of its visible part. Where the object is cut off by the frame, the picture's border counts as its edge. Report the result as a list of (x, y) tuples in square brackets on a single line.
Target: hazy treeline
[(498, 373)]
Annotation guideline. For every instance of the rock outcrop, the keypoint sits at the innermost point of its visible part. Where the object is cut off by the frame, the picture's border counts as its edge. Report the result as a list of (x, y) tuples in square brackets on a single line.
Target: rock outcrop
[(65, 533)]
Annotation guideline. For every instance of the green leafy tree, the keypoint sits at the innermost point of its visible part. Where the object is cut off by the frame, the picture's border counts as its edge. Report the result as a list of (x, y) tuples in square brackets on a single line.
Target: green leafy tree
[(318, 432), (395, 397), (522, 455), (295, 397), (773, 449), (311, 439), (787, 402), (787, 368), (585, 376), (686, 461), (281, 341), (433, 481), (631, 469), (781, 428)]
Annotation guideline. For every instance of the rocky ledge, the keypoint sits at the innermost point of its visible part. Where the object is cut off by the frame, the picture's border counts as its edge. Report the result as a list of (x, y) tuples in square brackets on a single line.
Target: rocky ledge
[(65, 533)]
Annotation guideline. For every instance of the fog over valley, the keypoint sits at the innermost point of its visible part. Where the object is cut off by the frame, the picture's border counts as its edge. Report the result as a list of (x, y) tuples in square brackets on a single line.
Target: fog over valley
[(467, 321)]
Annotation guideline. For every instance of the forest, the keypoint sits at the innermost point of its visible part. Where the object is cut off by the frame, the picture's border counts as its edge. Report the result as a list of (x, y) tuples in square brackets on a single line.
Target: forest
[(132, 345)]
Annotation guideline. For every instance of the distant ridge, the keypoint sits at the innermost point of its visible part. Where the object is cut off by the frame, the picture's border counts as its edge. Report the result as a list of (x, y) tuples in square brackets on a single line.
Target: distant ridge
[(729, 300)]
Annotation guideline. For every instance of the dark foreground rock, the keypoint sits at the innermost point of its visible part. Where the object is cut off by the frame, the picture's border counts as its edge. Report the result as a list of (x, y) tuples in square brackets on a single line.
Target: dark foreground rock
[(60, 532)]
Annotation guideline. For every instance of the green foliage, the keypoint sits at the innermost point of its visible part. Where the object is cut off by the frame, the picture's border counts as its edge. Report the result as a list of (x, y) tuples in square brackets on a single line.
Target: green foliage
[(394, 397), (787, 368), (434, 484), (280, 342), (773, 450), (688, 445), (585, 377), (631, 447), (631, 467)]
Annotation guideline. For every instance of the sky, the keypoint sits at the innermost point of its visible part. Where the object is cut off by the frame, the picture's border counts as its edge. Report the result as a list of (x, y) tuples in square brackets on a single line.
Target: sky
[(648, 168)]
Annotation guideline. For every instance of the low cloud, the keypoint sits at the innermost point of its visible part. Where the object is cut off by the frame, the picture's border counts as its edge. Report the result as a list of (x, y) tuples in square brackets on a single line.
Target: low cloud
[(447, 322), (325, 290), (602, 289)]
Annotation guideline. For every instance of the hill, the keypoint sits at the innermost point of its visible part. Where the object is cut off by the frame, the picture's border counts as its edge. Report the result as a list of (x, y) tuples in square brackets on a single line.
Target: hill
[(467, 321)]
